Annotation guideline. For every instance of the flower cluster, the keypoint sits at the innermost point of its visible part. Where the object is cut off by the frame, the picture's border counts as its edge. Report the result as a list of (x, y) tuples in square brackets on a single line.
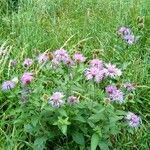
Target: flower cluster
[(97, 71), (62, 56), (133, 120), (114, 93), (56, 100), (127, 35)]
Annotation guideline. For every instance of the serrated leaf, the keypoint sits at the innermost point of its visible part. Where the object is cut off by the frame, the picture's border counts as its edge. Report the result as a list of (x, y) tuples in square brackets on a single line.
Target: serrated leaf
[(94, 141), (78, 138)]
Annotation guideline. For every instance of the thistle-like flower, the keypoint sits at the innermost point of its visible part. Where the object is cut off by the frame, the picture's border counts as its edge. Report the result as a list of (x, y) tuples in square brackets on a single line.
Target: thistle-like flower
[(56, 100), (133, 120)]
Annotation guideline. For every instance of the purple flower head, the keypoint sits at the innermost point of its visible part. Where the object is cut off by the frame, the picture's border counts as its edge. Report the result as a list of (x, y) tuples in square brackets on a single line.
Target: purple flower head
[(56, 99), (110, 89), (124, 31), (96, 63), (61, 55), (130, 39), (112, 71), (133, 120), (114, 94), (72, 100), (94, 73), (129, 86), (43, 57), (78, 57), (68, 61), (8, 85), (117, 96), (27, 62), (27, 78)]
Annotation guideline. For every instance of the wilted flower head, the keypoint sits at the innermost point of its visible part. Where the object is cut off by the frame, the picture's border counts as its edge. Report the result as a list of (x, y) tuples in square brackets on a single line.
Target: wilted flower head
[(43, 57), (112, 71), (13, 63), (96, 63), (72, 100), (56, 99), (8, 85), (78, 57), (27, 78), (133, 120), (27, 62), (129, 86), (94, 73)]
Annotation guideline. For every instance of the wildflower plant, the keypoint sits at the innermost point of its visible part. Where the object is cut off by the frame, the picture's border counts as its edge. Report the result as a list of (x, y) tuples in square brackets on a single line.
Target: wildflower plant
[(72, 101)]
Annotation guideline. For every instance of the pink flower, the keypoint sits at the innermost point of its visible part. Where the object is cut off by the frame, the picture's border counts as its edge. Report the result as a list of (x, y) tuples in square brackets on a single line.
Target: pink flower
[(61, 55), (69, 62), (96, 63), (43, 57), (79, 58), (27, 78), (72, 100), (56, 99), (27, 62), (8, 85), (133, 120), (112, 71), (94, 73), (111, 89)]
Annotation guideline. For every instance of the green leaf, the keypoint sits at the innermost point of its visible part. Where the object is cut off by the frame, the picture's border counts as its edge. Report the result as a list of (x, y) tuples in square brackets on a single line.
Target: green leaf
[(62, 112), (29, 128), (94, 141), (63, 128), (39, 143), (97, 117), (78, 138), (103, 145), (80, 118), (34, 121)]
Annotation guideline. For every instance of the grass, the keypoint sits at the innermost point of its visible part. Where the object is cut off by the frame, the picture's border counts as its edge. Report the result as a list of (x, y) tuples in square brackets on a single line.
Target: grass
[(88, 26)]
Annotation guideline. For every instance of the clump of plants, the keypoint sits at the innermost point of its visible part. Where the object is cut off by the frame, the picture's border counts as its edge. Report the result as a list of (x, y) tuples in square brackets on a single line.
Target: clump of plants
[(69, 101)]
